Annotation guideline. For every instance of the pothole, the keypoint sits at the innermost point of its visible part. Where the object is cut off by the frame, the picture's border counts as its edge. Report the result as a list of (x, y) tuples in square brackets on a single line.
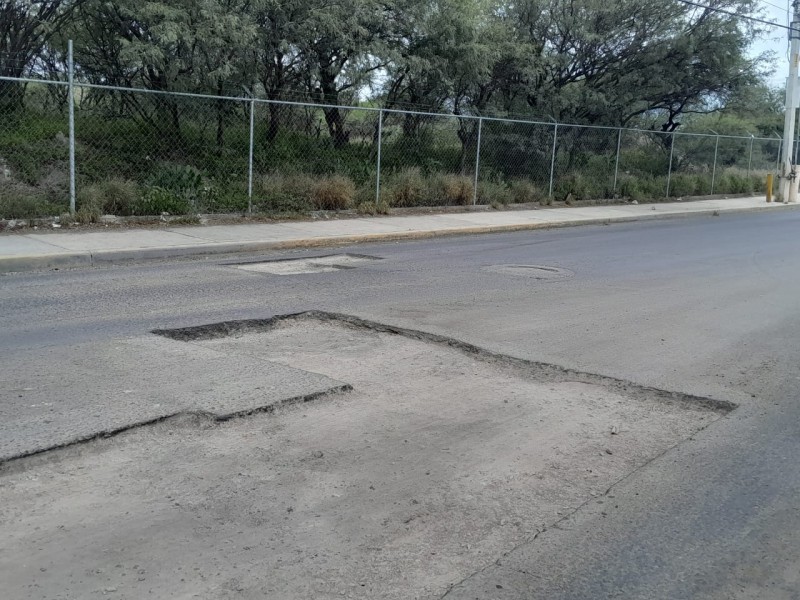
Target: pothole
[(441, 449), (532, 271), (307, 265)]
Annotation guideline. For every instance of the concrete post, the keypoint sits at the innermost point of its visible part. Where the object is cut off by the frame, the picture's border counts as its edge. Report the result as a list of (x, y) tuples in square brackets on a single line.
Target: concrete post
[(714, 168), (477, 162), (378, 175), (791, 102), (616, 164), (250, 157), (669, 169), (71, 104), (553, 159)]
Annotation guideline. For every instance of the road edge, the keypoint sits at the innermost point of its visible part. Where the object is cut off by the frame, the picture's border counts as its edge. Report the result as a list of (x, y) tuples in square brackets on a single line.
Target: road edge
[(74, 260)]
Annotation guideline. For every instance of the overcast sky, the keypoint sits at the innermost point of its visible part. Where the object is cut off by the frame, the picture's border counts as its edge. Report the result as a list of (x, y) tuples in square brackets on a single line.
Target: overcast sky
[(775, 40)]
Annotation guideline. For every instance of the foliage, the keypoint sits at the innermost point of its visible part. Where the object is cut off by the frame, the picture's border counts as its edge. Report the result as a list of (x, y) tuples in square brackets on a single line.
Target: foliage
[(179, 189), (613, 62), (371, 208), (452, 190), (580, 187), (525, 192), (333, 193), (406, 188), (284, 193), (20, 201), (490, 192), (587, 61), (158, 201), (111, 197)]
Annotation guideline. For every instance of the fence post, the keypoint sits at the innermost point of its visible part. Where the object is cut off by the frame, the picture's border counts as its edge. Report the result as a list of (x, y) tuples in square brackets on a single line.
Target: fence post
[(669, 169), (714, 168), (477, 162), (750, 159), (553, 159), (616, 164), (778, 160), (250, 157), (71, 103), (378, 176)]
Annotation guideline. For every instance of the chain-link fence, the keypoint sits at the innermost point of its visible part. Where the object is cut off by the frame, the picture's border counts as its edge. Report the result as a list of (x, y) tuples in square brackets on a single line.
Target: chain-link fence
[(102, 149)]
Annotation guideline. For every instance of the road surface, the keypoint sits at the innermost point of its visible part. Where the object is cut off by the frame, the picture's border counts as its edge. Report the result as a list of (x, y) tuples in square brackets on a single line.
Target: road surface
[(705, 306)]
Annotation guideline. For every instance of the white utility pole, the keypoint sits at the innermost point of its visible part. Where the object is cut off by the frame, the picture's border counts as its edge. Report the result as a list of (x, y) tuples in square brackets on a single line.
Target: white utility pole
[(791, 107)]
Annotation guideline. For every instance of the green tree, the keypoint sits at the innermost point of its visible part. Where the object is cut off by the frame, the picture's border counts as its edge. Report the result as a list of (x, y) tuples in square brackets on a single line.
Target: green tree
[(165, 46), (25, 29), (594, 61)]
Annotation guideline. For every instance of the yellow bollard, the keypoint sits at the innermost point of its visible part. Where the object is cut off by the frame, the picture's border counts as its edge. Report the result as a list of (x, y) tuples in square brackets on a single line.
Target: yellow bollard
[(769, 187)]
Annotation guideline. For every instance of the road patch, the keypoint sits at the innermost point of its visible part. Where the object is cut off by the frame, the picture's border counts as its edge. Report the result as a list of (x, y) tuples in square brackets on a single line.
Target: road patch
[(442, 458)]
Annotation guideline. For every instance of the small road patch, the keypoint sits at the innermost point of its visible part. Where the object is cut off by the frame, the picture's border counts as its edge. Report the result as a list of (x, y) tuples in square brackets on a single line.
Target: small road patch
[(304, 266), (532, 271)]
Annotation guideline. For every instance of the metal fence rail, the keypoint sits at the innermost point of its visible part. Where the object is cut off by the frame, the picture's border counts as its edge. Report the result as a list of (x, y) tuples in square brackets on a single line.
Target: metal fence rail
[(182, 152)]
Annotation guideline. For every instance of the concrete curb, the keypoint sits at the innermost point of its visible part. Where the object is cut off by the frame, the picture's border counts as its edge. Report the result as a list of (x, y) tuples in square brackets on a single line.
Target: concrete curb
[(44, 262), (69, 260)]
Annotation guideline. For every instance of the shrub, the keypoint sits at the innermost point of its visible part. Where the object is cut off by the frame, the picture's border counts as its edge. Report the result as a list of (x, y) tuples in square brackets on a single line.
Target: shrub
[(581, 187), (371, 208), (284, 194), (682, 184), (524, 192), (231, 198), (156, 201), (490, 192), (184, 184), (735, 181), (453, 190), (21, 201), (702, 184), (758, 181), (407, 188), (87, 214), (333, 193), (55, 184), (33, 145), (178, 178), (642, 187), (653, 187), (111, 197)]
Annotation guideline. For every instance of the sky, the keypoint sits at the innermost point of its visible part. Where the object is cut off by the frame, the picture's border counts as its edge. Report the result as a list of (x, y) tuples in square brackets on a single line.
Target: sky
[(775, 40)]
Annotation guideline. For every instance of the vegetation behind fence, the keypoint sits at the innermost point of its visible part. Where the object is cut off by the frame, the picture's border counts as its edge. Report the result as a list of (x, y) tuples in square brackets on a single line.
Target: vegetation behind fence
[(143, 153)]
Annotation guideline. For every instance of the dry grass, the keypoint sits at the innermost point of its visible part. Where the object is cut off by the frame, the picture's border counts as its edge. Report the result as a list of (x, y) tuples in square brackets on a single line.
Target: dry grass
[(333, 193), (110, 197), (454, 190), (406, 188)]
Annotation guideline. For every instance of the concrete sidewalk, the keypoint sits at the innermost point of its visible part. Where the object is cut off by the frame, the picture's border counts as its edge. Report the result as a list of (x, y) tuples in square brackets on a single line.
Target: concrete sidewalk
[(70, 249)]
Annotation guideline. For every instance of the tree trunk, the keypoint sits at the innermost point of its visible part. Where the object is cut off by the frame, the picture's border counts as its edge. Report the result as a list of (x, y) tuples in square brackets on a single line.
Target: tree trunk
[(274, 122), (411, 125), (11, 95), (335, 121), (468, 134), (333, 116), (175, 122)]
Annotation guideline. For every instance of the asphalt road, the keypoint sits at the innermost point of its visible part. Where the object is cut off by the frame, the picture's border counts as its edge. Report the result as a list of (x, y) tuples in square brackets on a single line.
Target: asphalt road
[(706, 306)]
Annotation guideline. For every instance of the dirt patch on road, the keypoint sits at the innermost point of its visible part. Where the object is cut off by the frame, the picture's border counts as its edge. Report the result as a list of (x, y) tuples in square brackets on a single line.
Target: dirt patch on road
[(438, 462)]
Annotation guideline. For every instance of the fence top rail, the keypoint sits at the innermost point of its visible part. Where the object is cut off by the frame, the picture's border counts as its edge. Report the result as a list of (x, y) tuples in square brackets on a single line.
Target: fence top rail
[(30, 80), (246, 99)]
